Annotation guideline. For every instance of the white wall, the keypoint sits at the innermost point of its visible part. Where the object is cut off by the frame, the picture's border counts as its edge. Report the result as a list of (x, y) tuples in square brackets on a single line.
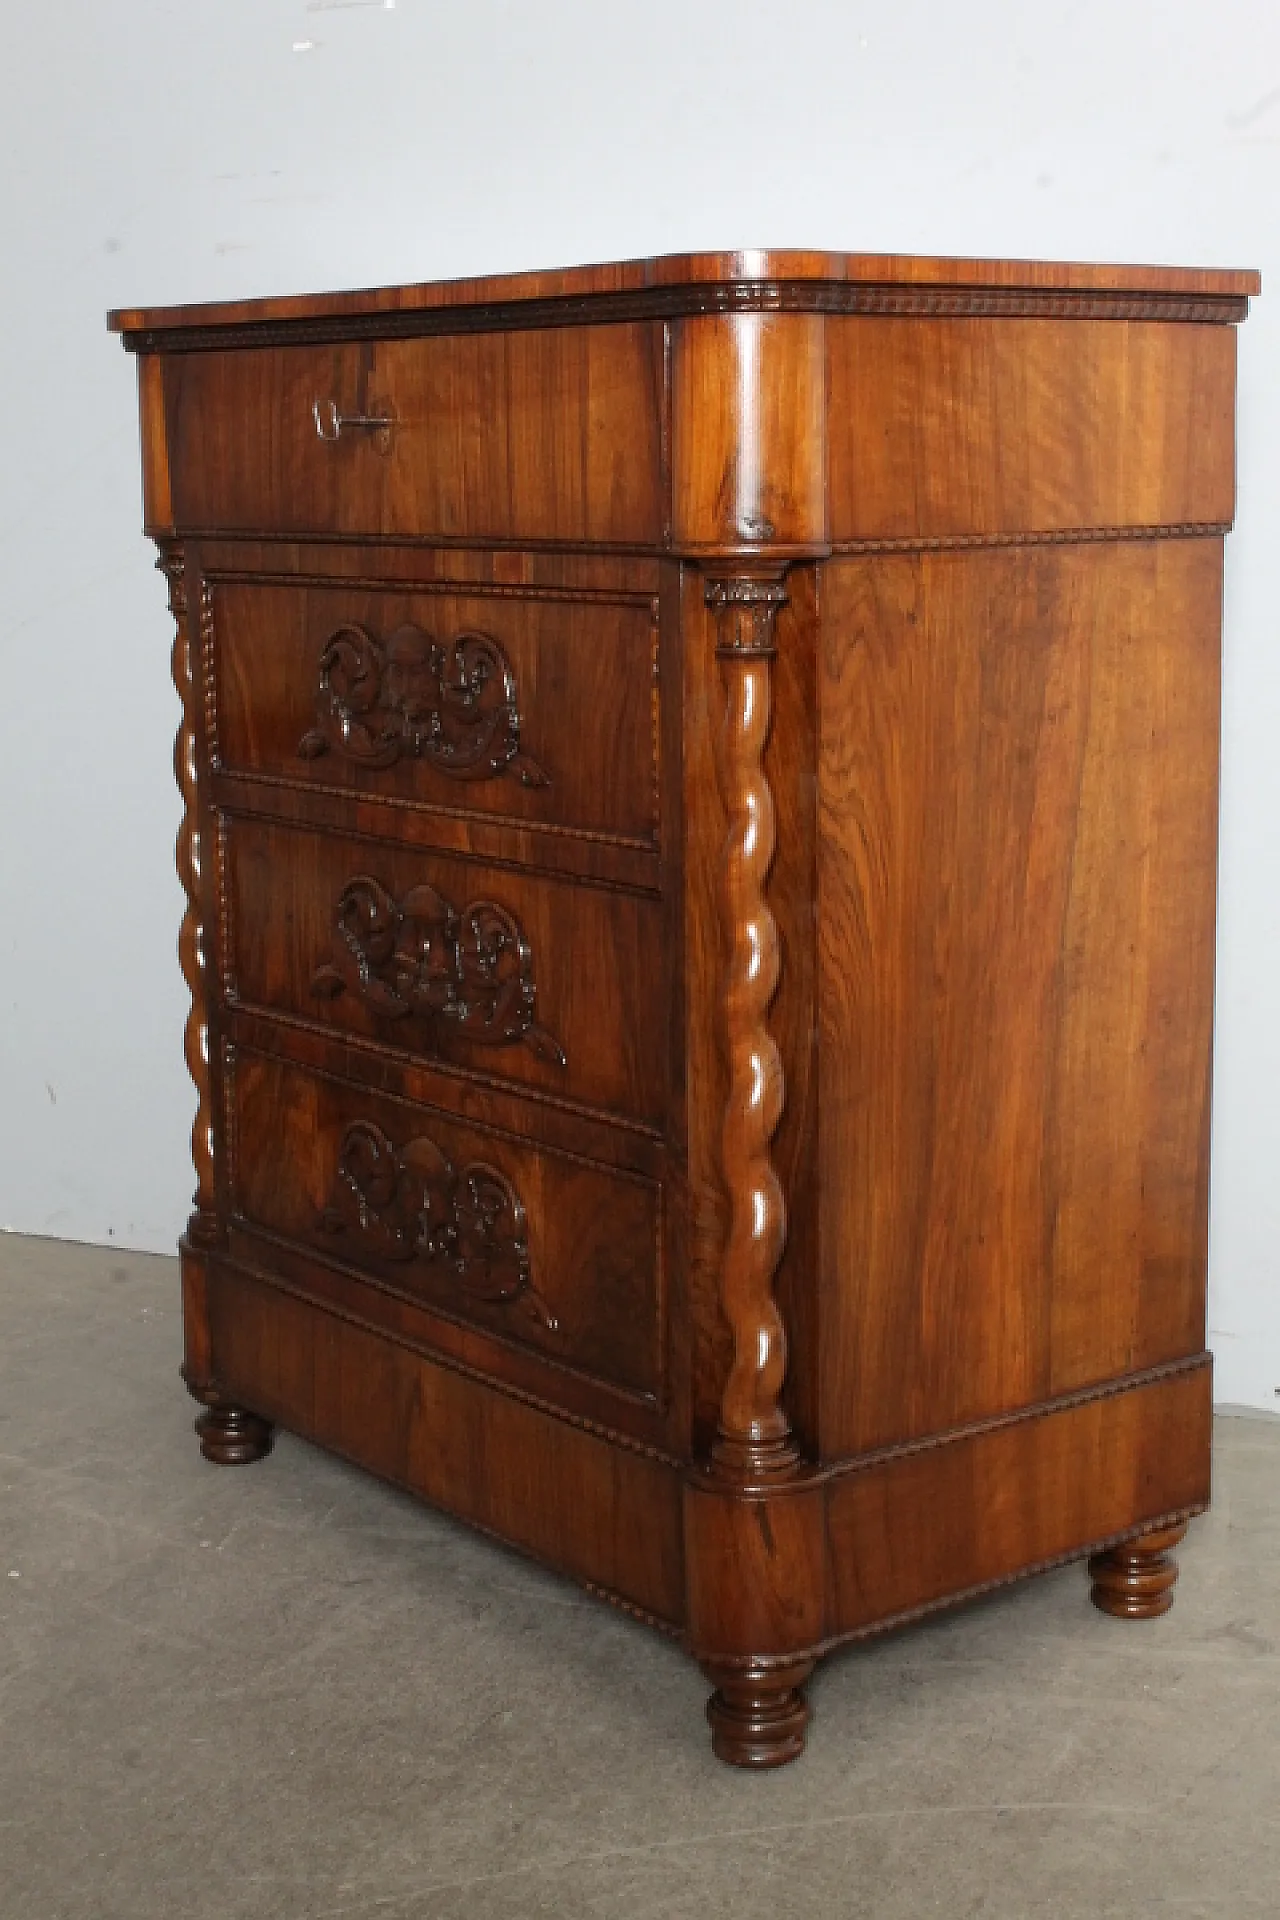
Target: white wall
[(171, 150)]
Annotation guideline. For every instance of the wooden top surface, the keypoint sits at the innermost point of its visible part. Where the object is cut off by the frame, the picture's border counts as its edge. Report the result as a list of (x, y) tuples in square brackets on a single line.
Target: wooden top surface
[(694, 270)]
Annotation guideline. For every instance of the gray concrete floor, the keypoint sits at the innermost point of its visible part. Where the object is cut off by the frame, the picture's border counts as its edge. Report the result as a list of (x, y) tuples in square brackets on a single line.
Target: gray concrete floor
[(284, 1692)]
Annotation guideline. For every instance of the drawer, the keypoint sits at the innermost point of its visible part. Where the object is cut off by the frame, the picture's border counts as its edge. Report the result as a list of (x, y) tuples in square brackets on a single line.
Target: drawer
[(552, 434), (533, 706), (542, 983), (545, 1250)]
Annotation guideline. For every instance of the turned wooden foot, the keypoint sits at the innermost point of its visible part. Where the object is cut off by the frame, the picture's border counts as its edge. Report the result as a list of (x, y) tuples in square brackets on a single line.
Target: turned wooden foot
[(232, 1437), (1135, 1581), (229, 1436), (758, 1714)]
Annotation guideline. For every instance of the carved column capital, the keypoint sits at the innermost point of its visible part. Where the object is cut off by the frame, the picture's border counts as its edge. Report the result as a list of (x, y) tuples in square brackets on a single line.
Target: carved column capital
[(172, 564), (754, 1442), (746, 606)]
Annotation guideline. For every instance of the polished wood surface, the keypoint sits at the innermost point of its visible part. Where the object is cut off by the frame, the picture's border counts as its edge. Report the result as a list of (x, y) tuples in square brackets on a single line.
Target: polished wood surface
[(310, 925), (546, 435), (230, 1437), (529, 1244), (699, 796), (605, 1514), (748, 406), (1135, 1580), (1018, 780), (754, 1439), (911, 1529), (312, 695), (956, 429), (738, 271)]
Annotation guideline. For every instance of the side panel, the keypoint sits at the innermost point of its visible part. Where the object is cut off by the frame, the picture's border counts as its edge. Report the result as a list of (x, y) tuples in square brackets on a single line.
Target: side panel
[(951, 429), (1018, 771)]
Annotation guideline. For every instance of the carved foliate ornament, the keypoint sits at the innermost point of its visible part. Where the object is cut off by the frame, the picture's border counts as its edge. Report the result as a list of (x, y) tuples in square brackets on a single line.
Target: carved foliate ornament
[(411, 1205), (453, 704), (470, 971)]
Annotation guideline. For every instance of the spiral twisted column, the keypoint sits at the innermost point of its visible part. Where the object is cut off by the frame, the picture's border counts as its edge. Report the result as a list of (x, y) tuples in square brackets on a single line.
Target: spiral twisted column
[(754, 1440), (202, 1228)]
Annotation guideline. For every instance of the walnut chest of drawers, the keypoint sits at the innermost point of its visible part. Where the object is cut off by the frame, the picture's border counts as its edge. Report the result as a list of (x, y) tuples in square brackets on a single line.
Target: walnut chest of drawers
[(700, 789)]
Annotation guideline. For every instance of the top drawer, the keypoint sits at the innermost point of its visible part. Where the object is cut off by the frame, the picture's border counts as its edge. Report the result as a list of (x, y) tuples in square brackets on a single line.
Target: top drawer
[(553, 434)]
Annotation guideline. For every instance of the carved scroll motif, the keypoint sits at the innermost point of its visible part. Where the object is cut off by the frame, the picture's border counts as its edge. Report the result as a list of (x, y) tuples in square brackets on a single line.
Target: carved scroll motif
[(755, 1439), (410, 1204), (419, 956), (453, 704), (203, 1224)]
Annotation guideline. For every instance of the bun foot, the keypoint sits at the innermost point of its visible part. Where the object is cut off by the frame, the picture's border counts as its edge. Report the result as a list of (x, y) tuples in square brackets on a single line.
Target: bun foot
[(232, 1437), (758, 1715), (1135, 1581)]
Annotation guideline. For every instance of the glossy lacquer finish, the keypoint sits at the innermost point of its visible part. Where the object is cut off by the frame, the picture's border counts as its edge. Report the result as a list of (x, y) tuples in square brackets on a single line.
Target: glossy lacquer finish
[(699, 805)]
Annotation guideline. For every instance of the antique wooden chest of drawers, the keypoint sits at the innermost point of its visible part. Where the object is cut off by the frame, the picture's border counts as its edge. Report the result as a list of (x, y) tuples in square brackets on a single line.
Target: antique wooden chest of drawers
[(700, 792)]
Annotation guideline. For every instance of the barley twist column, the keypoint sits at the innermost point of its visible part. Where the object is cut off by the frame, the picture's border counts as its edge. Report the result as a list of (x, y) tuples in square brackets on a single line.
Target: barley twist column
[(754, 1440), (202, 1228)]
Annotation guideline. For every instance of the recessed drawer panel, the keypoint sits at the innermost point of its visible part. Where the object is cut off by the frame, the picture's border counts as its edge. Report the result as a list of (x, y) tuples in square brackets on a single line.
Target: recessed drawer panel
[(538, 707), (552, 434), (539, 982), (546, 1250)]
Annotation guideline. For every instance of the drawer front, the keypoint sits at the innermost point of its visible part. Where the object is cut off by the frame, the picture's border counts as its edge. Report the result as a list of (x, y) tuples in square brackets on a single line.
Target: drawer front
[(538, 982), (526, 706), (545, 1250), (552, 434)]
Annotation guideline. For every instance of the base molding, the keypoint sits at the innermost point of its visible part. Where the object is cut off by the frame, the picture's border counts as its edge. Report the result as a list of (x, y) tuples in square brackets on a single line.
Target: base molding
[(910, 1533), (606, 1516), (759, 1581)]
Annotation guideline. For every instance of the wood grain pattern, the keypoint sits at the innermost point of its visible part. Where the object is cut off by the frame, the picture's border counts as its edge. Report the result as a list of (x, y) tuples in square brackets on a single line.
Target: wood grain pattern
[(908, 1532), (755, 1570), (946, 428), (1018, 780), (157, 503), (600, 966), (481, 1354), (601, 1514), (747, 267), (748, 431), (585, 672), (593, 1234), (699, 792), (610, 1139), (550, 435)]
